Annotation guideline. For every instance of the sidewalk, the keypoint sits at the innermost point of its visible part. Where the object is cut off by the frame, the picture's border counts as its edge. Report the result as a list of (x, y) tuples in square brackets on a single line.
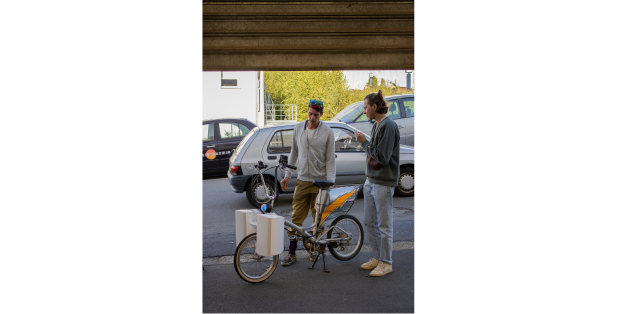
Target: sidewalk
[(297, 289)]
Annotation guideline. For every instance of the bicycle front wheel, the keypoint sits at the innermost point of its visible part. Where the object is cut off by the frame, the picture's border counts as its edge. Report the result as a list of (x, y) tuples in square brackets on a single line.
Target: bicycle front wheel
[(346, 226), (251, 266)]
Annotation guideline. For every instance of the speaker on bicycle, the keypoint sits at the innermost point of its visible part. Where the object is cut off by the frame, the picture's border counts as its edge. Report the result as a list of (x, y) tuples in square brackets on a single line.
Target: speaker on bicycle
[(245, 223), (269, 234)]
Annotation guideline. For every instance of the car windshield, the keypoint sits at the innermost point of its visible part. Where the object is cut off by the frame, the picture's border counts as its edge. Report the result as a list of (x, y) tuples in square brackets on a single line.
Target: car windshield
[(350, 113)]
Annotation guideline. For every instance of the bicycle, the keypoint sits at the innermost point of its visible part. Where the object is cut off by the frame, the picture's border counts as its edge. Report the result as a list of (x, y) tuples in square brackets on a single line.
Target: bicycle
[(343, 237)]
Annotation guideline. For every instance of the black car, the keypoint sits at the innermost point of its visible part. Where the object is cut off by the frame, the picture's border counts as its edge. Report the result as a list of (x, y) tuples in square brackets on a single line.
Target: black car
[(219, 138)]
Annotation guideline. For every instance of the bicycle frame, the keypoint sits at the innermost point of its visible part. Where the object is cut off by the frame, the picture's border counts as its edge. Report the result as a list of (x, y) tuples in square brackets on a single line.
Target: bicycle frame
[(332, 203), (329, 204)]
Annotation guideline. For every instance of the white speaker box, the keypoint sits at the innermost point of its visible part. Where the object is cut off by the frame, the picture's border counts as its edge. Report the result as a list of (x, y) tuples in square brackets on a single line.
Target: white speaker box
[(269, 234), (245, 223)]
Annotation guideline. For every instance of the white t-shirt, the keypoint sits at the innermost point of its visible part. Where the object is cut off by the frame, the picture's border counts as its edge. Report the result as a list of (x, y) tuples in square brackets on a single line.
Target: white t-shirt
[(310, 134)]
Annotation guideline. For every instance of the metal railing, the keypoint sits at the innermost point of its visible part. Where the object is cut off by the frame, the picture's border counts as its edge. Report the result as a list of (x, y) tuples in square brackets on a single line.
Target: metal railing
[(280, 113)]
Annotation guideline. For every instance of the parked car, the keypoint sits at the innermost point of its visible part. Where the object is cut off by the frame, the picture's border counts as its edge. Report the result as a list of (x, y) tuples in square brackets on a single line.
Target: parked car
[(219, 138), (267, 143), (401, 111)]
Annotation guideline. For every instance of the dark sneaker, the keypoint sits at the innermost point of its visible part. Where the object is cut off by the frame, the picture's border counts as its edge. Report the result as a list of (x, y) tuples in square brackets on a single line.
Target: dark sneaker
[(288, 260)]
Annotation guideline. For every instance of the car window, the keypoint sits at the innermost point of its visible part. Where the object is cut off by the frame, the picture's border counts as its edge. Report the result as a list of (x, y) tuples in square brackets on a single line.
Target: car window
[(232, 129), (275, 145), (393, 111), (287, 140), (350, 113), (362, 118), (408, 102), (281, 142), (345, 141), (208, 132), (244, 129)]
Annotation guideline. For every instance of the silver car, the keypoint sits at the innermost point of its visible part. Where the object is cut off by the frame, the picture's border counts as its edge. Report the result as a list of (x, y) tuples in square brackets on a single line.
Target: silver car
[(267, 143), (401, 111)]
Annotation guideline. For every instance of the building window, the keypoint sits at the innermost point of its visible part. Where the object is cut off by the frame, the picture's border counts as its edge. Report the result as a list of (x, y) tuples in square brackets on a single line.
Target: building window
[(229, 82)]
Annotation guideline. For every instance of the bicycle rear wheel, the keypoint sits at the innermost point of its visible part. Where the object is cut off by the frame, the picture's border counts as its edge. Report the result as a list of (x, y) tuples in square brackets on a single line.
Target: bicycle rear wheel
[(349, 227), (249, 265)]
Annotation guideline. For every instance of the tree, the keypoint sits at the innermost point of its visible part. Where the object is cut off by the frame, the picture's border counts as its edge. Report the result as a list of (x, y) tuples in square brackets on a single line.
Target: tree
[(299, 87), (331, 87)]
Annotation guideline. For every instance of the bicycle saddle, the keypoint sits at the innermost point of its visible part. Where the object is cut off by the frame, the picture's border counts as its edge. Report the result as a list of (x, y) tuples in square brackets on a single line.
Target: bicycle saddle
[(322, 183)]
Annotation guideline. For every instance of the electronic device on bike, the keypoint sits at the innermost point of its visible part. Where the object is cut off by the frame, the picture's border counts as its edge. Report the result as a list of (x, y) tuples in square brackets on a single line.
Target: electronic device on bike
[(283, 160), (332, 229)]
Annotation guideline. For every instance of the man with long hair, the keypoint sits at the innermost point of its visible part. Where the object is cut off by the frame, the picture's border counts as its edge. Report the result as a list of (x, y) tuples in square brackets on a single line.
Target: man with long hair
[(382, 178)]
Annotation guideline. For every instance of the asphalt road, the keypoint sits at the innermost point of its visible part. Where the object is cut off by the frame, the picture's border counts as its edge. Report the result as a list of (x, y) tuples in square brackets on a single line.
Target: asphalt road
[(219, 203), (297, 289)]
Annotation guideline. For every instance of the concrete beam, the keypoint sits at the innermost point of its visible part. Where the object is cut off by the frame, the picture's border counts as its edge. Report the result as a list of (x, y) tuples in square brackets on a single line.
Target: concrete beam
[(305, 8), (307, 35), (300, 61)]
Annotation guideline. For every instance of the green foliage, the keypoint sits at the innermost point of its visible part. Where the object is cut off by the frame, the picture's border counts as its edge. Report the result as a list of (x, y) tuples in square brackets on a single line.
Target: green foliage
[(301, 86), (298, 87)]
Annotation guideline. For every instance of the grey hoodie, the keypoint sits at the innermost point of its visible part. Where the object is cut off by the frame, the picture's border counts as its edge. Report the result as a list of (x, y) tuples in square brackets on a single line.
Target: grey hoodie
[(315, 160)]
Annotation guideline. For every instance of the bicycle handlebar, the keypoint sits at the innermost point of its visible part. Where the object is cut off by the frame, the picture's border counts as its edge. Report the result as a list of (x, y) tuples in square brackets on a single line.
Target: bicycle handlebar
[(261, 165)]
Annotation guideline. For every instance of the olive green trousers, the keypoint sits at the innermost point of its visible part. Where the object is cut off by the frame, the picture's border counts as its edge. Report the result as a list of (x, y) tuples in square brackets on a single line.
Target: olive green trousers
[(303, 199)]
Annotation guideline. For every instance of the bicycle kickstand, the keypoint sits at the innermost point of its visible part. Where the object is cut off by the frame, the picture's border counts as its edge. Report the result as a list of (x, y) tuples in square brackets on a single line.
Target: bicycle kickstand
[(325, 270), (317, 258)]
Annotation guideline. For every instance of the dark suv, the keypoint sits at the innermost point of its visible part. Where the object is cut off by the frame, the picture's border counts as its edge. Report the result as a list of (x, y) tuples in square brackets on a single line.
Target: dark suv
[(219, 138)]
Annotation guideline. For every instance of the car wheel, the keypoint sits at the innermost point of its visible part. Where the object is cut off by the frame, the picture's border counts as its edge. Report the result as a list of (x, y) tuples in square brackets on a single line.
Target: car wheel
[(255, 192), (406, 183)]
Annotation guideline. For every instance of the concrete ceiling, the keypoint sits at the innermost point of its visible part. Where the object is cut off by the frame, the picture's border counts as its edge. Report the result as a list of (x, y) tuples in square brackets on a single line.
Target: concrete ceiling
[(307, 35)]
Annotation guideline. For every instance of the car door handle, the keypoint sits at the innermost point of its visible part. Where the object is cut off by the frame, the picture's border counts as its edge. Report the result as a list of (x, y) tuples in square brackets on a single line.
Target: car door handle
[(400, 126), (272, 157), (210, 146)]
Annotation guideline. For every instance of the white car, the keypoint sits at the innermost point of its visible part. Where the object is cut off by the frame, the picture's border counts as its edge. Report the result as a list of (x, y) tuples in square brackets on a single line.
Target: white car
[(267, 143), (401, 111)]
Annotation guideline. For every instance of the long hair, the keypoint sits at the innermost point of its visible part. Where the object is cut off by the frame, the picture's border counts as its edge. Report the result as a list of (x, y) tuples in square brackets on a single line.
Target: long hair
[(377, 99)]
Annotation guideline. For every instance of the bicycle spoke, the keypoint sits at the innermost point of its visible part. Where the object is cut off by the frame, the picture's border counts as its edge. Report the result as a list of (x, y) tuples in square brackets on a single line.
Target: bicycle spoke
[(252, 264), (349, 229)]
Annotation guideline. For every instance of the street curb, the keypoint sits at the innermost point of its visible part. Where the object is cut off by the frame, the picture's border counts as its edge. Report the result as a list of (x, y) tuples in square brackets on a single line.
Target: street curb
[(227, 260)]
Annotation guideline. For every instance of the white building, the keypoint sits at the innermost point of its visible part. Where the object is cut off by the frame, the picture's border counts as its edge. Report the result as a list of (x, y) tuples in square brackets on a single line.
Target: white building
[(233, 95)]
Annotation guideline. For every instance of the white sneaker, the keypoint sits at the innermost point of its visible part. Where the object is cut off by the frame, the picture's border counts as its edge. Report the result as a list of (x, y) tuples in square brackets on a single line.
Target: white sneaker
[(370, 264), (288, 260), (382, 269)]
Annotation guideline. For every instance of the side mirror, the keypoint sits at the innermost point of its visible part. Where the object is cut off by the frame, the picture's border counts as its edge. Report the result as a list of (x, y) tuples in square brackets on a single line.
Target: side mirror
[(372, 121)]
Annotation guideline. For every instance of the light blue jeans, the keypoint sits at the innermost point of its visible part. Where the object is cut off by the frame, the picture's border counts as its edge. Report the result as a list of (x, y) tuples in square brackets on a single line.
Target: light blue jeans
[(378, 219)]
